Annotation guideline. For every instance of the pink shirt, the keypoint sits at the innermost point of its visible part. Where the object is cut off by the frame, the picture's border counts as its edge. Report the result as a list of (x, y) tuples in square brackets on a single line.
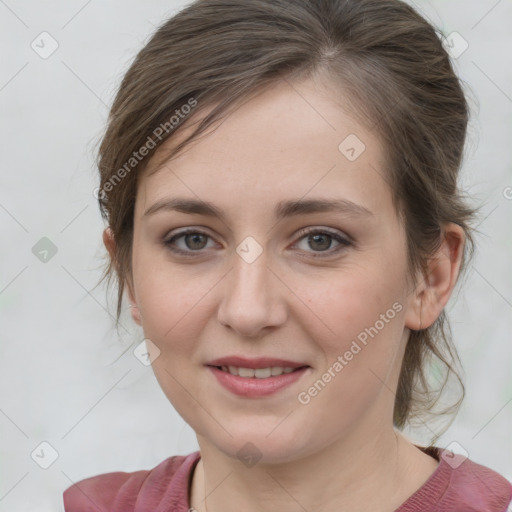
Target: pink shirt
[(468, 487)]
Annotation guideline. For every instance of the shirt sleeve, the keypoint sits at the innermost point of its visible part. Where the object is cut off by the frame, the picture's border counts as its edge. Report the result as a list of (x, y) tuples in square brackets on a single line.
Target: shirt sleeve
[(110, 492)]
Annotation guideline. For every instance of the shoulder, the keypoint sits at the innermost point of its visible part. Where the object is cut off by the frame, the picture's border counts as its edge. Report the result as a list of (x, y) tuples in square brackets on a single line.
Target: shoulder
[(459, 485), (476, 488), (133, 492)]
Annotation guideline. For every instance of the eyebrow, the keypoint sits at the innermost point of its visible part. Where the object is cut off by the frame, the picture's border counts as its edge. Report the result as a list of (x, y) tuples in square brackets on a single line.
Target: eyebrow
[(282, 210)]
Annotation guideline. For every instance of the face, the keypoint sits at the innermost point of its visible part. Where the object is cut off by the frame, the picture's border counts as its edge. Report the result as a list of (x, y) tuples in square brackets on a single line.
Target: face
[(323, 287)]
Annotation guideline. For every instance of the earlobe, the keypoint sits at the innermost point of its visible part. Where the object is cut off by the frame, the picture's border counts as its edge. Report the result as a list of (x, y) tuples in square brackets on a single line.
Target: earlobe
[(414, 316), (110, 245), (435, 288), (134, 310), (109, 242)]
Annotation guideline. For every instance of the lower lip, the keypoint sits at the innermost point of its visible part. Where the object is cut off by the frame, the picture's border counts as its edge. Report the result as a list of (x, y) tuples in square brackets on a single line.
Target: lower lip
[(254, 387)]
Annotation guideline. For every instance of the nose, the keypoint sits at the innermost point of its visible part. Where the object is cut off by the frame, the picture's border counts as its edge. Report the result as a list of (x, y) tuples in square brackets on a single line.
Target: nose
[(253, 298)]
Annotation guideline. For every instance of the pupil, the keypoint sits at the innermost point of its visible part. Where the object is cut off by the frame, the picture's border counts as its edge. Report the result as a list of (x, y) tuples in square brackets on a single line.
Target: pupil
[(326, 241), (194, 237)]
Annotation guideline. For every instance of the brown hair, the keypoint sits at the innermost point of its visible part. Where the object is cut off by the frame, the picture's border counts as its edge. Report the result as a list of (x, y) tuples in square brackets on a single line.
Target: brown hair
[(392, 67)]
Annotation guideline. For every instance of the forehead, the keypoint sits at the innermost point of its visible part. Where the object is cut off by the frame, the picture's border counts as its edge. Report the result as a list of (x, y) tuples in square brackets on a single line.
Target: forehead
[(293, 139)]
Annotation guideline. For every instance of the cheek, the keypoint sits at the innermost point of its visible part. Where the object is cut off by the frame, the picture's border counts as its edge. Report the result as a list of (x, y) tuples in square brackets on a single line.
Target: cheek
[(346, 305), (359, 365), (362, 316), (173, 303), (166, 292), (168, 297)]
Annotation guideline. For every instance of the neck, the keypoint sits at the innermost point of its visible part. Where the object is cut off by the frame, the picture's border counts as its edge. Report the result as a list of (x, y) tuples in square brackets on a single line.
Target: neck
[(375, 470)]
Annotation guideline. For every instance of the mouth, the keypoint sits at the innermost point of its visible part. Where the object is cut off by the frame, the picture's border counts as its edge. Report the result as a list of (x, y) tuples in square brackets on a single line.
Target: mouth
[(254, 383), (258, 373)]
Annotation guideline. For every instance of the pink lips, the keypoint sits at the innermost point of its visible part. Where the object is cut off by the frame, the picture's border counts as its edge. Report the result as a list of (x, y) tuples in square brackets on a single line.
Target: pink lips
[(260, 362), (254, 387)]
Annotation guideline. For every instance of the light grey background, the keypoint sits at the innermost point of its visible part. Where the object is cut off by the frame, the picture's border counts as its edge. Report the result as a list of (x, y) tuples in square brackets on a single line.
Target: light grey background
[(65, 376)]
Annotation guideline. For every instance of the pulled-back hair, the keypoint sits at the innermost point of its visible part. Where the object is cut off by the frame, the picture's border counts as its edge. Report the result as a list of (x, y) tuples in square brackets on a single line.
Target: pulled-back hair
[(387, 61)]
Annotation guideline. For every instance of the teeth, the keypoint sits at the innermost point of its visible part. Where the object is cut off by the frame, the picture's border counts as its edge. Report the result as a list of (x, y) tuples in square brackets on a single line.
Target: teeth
[(243, 372), (259, 373), (263, 373)]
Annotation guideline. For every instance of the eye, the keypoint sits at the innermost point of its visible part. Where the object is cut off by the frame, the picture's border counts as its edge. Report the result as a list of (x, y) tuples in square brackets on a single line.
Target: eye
[(191, 240), (316, 240), (321, 241)]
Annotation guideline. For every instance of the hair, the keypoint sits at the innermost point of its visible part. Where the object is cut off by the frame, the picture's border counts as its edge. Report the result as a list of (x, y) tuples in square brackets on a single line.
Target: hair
[(385, 59)]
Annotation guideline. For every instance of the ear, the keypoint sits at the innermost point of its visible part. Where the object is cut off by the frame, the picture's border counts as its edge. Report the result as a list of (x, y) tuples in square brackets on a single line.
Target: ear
[(435, 288), (110, 244)]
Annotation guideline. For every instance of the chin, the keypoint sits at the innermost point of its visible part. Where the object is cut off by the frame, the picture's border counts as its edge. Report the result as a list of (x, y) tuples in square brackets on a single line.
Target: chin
[(252, 446)]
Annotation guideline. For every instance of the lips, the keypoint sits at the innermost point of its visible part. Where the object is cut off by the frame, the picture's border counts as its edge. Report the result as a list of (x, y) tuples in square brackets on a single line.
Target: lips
[(258, 377), (260, 362), (248, 387)]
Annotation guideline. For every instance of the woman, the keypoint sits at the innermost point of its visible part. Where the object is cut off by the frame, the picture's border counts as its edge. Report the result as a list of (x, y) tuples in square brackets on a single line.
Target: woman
[(279, 180)]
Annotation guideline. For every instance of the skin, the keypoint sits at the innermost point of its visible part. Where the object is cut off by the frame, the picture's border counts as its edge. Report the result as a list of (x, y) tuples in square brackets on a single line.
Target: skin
[(339, 452)]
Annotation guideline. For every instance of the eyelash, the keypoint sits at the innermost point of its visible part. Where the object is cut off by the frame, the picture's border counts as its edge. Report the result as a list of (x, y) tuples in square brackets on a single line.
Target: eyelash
[(344, 242)]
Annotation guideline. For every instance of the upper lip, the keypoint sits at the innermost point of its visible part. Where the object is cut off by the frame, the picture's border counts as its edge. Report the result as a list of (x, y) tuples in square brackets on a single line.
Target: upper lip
[(260, 362)]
